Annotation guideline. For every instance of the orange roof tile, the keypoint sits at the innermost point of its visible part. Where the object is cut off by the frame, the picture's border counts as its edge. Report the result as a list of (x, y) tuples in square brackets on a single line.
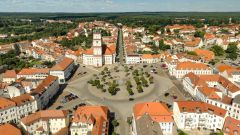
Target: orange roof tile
[(209, 36), (6, 103), (30, 71), (9, 129), (10, 74), (206, 54), (89, 51), (201, 80), (45, 84), (90, 114), (193, 43), (223, 67), (209, 92), (231, 125), (157, 111), (191, 66), (150, 56), (20, 100), (195, 106), (44, 114), (63, 65)]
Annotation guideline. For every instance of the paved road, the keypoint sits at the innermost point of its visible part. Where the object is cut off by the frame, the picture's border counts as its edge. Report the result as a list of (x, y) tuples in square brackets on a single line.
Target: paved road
[(120, 47)]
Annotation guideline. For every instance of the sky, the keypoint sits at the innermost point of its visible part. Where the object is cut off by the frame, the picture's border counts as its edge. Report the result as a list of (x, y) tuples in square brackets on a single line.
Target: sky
[(83, 6)]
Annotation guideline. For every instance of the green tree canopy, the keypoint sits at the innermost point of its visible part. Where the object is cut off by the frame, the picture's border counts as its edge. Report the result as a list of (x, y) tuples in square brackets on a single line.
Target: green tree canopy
[(218, 51)]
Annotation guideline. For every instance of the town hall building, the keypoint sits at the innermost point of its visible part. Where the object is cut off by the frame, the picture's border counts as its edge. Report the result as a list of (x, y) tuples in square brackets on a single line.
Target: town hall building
[(99, 54)]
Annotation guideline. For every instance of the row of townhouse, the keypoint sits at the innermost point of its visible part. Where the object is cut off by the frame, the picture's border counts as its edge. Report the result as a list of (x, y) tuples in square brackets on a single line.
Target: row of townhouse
[(216, 90), (12, 110), (194, 114), (63, 70), (229, 72), (153, 118), (45, 122), (44, 49), (86, 120), (180, 69), (143, 58), (149, 118), (190, 115)]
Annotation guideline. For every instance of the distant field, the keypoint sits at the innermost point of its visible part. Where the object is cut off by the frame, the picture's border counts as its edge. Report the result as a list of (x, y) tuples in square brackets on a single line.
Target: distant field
[(116, 15)]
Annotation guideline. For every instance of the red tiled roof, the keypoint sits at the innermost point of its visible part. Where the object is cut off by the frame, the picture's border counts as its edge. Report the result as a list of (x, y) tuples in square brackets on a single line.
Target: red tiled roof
[(157, 111), (44, 114), (30, 71), (223, 67), (22, 99), (209, 36), (191, 66), (10, 74), (209, 92), (231, 125), (63, 65), (6, 103), (90, 114), (89, 51), (201, 80), (151, 56), (193, 43), (45, 84), (195, 106), (9, 129), (206, 54)]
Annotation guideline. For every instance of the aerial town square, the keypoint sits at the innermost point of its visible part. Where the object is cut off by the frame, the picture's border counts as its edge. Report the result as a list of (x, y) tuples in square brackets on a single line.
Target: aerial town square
[(120, 67)]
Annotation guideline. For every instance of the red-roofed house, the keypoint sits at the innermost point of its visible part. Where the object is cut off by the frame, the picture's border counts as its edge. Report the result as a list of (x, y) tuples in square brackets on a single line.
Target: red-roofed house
[(92, 120), (183, 68), (25, 105), (63, 70), (150, 58), (9, 76), (205, 54), (7, 111), (231, 126), (194, 44), (194, 114), (45, 122), (158, 112), (45, 91), (9, 129), (33, 73)]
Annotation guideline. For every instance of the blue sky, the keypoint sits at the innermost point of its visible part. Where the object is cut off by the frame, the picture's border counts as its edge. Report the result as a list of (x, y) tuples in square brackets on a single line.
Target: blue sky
[(81, 6)]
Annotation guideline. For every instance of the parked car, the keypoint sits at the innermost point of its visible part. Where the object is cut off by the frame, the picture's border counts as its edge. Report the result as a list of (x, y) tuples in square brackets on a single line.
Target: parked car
[(59, 107)]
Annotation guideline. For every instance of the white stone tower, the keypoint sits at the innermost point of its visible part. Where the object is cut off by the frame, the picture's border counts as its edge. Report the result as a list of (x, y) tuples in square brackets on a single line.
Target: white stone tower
[(97, 49)]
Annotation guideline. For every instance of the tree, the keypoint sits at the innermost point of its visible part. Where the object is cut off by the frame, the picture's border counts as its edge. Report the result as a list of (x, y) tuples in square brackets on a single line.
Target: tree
[(180, 132), (139, 89), (162, 46), (218, 51), (176, 31), (192, 53), (232, 51), (199, 34), (115, 123)]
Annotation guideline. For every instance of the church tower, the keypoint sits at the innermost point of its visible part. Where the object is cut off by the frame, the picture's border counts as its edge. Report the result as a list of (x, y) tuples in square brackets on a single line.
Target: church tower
[(97, 43), (97, 49)]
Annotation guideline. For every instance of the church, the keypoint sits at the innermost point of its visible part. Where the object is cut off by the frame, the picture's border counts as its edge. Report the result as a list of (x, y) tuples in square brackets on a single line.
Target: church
[(99, 54)]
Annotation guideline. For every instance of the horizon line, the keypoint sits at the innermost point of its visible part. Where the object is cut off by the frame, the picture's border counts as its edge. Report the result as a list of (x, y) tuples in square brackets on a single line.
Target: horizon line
[(131, 12)]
